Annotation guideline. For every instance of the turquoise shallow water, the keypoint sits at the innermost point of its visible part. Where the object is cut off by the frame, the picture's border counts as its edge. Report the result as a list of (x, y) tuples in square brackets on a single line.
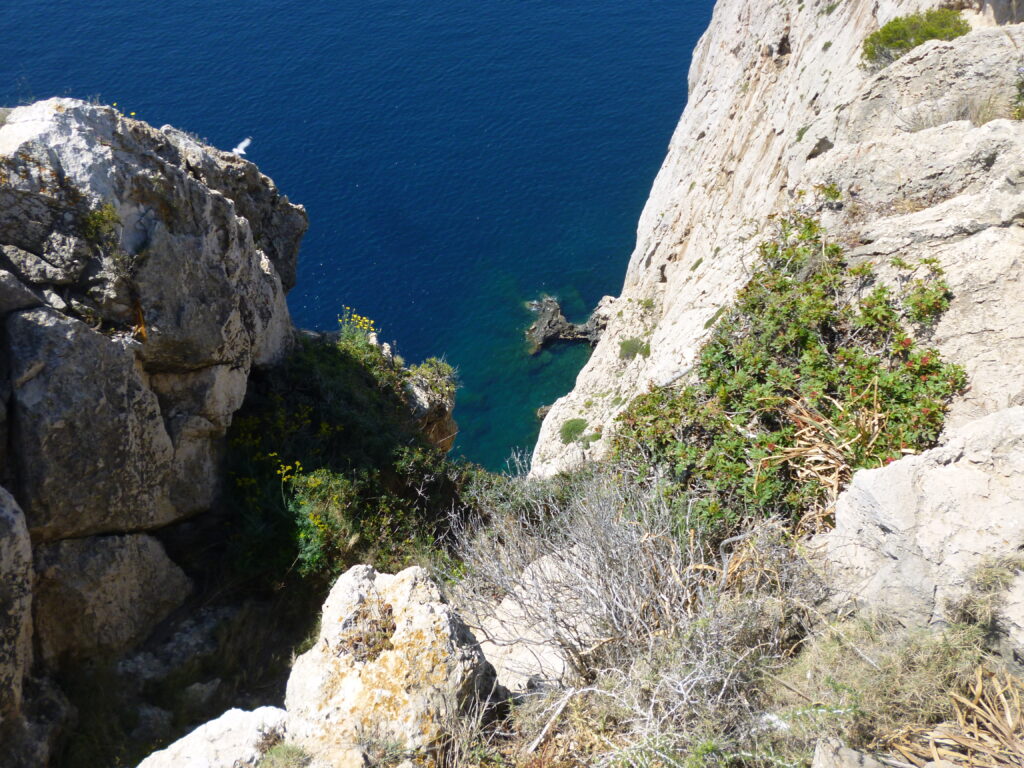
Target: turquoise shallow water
[(457, 158)]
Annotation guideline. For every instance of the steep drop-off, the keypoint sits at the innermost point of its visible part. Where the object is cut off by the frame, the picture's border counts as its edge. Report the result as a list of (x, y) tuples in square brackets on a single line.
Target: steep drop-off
[(922, 155)]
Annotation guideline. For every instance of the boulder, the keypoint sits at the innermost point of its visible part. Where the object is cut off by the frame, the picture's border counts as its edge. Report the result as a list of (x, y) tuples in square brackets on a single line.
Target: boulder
[(14, 294), (831, 753), (102, 595), (15, 605), (89, 444), (910, 535), (236, 739), (392, 663)]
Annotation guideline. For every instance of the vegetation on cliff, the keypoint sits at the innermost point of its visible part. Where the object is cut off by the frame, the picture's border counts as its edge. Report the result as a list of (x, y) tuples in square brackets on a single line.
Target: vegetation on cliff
[(813, 372), (328, 464), (905, 33)]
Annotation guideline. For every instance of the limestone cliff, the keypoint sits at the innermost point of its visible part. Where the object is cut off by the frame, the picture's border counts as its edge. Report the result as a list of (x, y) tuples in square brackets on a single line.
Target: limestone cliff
[(779, 102)]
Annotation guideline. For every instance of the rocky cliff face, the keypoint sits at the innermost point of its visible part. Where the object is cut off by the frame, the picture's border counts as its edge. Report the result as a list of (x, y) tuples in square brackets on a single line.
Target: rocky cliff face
[(142, 276), (779, 102)]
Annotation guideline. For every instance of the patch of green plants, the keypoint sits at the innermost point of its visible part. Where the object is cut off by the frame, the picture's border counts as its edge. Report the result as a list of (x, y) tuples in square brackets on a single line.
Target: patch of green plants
[(328, 466), (100, 224), (284, 755), (801, 133), (905, 33), (633, 346), (812, 360), (572, 430), (436, 375)]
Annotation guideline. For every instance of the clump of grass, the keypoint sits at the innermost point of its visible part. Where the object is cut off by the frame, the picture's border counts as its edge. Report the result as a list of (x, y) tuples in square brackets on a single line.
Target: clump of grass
[(905, 33), (284, 755), (864, 681), (633, 346), (572, 429), (100, 224), (982, 603), (808, 376)]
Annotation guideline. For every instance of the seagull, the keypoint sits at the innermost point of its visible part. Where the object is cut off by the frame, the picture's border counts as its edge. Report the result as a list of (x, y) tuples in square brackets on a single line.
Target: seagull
[(240, 149)]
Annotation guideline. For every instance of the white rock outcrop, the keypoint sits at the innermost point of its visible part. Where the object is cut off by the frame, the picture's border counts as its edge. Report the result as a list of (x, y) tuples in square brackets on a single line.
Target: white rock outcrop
[(392, 664), (236, 739), (910, 536), (393, 668), (779, 102)]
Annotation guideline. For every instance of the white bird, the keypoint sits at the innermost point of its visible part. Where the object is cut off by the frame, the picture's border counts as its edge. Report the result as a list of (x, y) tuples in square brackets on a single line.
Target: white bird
[(243, 145)]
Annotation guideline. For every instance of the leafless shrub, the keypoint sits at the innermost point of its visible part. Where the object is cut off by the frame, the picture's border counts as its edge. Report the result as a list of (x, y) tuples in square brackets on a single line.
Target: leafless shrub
[(666, 631)]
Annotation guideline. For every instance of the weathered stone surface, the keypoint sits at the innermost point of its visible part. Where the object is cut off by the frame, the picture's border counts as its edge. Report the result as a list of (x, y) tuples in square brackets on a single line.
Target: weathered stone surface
[(909, 536), (923, 168), (15, 605), (521, 648), (236, 739), (90, 448), (392, 663), (197, 408), (102, 594), (14, 294), (432, 408), (831, 753), (166, 246)]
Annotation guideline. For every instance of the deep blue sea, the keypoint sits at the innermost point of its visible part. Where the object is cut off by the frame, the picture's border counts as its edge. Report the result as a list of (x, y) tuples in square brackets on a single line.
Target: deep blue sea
[(456, 157)]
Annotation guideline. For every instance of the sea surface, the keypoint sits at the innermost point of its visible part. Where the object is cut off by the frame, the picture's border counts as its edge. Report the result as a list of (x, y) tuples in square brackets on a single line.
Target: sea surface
[(456, 157)]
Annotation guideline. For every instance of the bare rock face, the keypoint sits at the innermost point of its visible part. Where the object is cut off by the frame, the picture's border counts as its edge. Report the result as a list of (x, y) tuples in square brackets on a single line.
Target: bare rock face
[(236, 739), (163, 264), (778, 103), (909, 536), (91, 451), (15, 605), (392, 664), (102, 594)]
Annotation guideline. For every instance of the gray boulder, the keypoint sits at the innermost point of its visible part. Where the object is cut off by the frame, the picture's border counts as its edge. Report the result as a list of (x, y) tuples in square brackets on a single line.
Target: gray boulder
[(909, 536), (102, 595), (90, 448), (236, 739), (165, 263)]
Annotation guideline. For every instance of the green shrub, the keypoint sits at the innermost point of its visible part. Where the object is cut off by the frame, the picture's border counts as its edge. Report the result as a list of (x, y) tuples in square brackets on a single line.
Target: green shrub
[(904, 33), (795, 370), (437, 375), (328, 465), (631, 347), (100, 224), (572, 430)]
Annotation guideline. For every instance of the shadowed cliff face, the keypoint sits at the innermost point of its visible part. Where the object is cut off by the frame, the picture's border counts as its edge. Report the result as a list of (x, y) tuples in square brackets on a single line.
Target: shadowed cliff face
[(780, 103), (142, 277)]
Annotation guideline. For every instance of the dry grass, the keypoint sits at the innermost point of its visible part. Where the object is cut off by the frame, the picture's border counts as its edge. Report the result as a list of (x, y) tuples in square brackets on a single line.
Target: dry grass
[(987, 730), (978, 109), (669, 636), (982, 604), (864, 682)]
